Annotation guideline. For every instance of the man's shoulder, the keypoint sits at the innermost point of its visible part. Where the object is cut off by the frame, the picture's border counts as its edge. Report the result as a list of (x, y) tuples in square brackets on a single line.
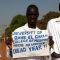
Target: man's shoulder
[(19, 29), (51, 21), (54, 19), (22, 28)]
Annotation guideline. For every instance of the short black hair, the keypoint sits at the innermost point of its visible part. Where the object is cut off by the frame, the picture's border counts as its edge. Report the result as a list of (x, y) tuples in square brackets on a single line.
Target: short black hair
[(32, 6)]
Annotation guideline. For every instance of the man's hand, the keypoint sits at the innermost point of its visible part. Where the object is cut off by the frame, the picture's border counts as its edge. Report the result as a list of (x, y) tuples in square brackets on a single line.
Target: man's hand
[(55, 55), (51, 42), (9, 42)]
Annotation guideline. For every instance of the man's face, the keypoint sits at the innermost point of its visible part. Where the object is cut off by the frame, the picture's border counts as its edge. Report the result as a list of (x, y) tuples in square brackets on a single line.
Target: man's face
[(32, 17)]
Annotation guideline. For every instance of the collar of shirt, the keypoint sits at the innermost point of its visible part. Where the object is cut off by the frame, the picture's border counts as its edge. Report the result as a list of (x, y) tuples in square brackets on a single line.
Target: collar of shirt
[(26, 26)]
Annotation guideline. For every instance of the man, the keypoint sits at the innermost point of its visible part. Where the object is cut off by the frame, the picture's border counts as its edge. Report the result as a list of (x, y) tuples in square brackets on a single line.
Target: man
[(54, 32), (32, 14)]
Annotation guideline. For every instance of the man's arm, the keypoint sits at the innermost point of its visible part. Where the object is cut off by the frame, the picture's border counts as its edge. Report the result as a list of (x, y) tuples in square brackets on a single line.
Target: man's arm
[(55, 55)]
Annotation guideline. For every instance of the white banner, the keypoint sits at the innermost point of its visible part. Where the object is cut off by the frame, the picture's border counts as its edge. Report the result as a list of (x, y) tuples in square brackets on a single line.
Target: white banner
[(30, 43)]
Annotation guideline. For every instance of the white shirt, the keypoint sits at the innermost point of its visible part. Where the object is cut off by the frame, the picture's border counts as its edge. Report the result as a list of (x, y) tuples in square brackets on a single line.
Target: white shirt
[(26, 28), (54, 31)]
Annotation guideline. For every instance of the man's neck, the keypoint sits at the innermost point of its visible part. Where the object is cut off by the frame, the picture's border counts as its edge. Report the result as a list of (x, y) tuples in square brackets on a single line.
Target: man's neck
[(33, 27)]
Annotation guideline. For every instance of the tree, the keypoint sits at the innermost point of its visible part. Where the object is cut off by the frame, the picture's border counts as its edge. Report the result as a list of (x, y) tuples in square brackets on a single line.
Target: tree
[(42, 24), (17, 21)]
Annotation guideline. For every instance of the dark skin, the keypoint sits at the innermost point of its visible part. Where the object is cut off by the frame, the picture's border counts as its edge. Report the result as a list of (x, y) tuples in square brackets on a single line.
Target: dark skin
[(55, 55), (51, 42), (32, 18)]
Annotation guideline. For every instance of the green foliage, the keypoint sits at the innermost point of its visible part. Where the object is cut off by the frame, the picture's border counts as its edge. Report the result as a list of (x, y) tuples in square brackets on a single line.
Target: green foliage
[(17, 21), (8, 31)]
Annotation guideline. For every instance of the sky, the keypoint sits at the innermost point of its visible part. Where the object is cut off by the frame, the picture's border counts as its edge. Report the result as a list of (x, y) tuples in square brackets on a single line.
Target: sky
[(11, 8)]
